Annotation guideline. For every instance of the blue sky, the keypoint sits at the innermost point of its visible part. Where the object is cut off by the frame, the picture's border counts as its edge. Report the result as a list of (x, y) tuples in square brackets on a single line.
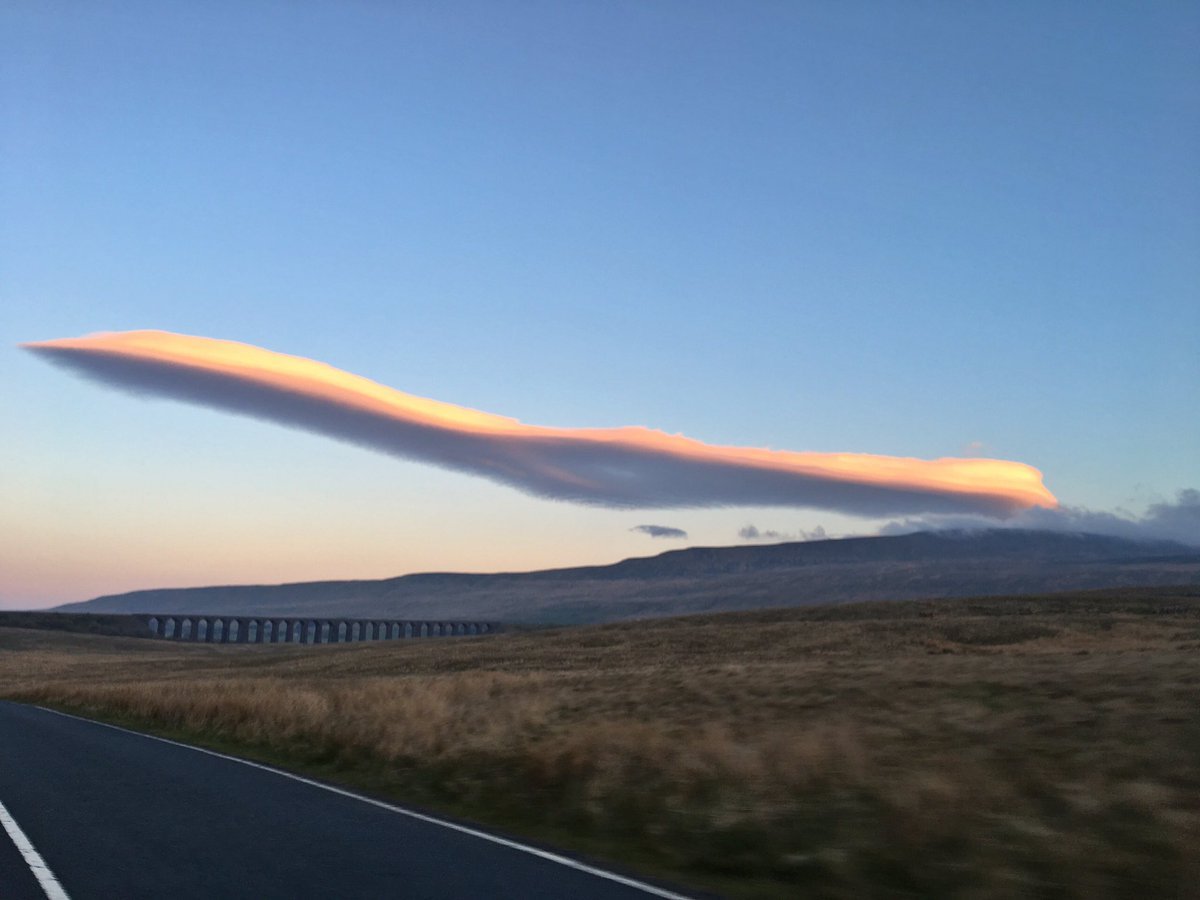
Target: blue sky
[(896, 228)]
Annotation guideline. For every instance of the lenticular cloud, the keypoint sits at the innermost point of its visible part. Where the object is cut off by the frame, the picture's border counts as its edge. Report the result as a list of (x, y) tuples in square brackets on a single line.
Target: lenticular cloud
[(617, 467)]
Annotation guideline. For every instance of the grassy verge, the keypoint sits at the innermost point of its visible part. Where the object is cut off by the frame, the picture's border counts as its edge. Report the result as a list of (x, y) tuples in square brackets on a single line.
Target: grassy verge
[(965, 748)]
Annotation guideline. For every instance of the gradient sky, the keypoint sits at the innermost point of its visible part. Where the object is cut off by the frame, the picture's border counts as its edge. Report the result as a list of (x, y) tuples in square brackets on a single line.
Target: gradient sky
[(911, 229)]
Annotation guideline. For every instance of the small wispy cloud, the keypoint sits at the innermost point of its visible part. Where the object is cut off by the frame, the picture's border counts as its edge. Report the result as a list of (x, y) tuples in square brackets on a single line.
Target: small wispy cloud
[(752, 533), (1177, 520), (661, 531)]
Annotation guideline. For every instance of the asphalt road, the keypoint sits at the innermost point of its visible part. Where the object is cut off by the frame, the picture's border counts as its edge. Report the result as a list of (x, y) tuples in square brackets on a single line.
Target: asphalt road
[(119, 815)]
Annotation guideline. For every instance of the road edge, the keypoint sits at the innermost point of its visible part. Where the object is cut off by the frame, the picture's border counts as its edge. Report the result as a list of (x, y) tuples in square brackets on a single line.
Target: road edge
[(547, 855)]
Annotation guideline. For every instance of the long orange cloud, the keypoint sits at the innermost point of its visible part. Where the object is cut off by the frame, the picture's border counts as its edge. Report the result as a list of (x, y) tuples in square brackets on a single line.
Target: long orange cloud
[(620, 467)]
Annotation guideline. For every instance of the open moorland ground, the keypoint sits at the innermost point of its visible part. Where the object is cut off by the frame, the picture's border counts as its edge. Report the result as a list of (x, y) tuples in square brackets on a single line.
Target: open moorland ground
[(1035, 746)]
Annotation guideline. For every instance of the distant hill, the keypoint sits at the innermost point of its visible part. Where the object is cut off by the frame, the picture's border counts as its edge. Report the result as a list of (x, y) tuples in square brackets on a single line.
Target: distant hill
[(707, 579)]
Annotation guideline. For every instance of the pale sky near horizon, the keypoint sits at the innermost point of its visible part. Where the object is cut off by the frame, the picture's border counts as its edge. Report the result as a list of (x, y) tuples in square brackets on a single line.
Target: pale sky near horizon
[(911, 229)]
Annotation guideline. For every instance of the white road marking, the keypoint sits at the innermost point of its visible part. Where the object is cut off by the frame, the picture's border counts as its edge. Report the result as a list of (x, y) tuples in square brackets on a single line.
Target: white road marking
[(463, 829), (33, 859)]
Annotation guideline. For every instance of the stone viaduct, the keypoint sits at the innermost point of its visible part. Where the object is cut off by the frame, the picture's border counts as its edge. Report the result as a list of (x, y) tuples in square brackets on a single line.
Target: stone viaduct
[(301, 630)]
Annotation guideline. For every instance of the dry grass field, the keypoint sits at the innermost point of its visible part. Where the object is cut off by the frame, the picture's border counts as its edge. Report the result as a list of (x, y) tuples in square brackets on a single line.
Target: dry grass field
[(1043, 747)]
